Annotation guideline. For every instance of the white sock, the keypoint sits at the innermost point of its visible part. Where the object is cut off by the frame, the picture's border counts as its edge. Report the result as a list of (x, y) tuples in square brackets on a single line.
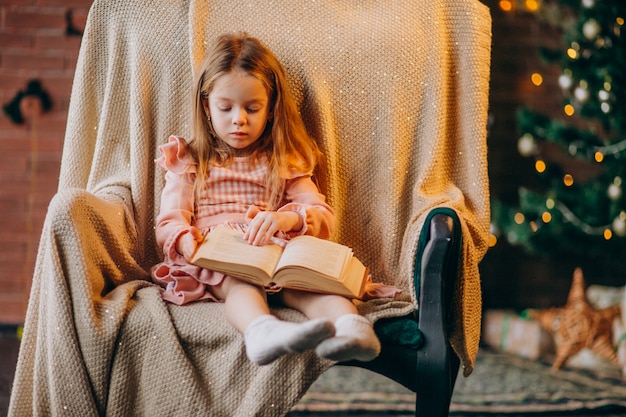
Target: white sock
[(267, 338), (354, 339)]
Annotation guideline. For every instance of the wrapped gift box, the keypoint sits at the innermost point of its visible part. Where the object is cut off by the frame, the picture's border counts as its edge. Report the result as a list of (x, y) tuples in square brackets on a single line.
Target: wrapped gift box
[(509, 332)]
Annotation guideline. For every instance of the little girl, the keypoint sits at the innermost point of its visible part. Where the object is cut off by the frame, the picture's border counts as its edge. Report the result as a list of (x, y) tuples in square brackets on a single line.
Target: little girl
[(249, 165)]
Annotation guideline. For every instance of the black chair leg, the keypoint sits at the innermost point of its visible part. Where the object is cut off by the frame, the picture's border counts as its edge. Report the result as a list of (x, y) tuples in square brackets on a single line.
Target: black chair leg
[(437, 364)]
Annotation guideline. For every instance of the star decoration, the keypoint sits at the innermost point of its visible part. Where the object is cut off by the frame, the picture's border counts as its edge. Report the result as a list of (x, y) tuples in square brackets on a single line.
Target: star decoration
[(579, 325)]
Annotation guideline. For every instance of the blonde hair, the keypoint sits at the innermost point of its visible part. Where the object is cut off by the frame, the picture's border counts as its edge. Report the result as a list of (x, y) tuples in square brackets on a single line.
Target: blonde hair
[(285, 142)]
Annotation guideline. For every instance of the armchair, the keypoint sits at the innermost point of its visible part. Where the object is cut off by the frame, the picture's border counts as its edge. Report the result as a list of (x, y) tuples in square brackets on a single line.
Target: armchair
[(396, 94)]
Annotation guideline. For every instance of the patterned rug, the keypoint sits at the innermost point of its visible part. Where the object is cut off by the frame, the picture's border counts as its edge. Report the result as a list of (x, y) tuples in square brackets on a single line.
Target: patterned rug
[(500, 385)]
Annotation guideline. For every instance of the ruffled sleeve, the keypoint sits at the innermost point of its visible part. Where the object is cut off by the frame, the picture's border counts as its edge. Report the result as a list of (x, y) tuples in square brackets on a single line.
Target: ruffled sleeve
[(175, 156), (177, 197), (303, 197)]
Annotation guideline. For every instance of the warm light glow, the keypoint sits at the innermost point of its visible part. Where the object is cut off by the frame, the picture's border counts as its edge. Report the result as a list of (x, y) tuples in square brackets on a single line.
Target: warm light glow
[(546, 217), (599, 156), (519, 218), (532, 5), (506, 5), (533, 226), (608, 234), (603, 95), (540, 166), (536, 79), (568, 180), (571, 52), (492, 240), (569, 109), (620, 21), (550, 203)]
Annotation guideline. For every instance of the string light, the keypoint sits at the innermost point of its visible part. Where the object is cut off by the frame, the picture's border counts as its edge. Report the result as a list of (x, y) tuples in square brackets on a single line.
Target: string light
[(613, 149), (540, 166), (618, 226), (510, 5), (569, 110), (506, 5), (568, 180), (598, 156), (531, 5), (573, 219), (536, 79)]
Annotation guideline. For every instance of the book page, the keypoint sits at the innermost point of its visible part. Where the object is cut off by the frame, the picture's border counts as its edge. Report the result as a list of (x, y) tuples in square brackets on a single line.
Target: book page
[(351, 283), (324, 256), (224, 245), (355, 277)]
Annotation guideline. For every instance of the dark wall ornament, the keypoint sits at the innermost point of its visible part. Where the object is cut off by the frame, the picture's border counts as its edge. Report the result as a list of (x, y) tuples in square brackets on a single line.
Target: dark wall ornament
[(32, 99), (71, 29)]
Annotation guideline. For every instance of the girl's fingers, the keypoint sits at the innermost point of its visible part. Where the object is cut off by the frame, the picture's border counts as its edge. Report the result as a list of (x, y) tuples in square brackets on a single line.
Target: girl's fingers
[(261, 230), (263, 227), (264, 233)]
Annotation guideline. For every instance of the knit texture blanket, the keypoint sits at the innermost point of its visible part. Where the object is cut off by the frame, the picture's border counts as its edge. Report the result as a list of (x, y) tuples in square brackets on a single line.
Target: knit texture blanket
[(396, 95)]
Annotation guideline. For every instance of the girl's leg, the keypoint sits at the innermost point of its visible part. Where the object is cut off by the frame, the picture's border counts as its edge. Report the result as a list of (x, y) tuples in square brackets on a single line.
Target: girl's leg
[(266, 337), (354, 334), (315, 305), (243, 302)]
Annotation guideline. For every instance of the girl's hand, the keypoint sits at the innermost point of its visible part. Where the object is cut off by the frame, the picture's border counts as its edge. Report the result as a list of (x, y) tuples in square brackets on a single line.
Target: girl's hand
[(265, 224), (186, 244)]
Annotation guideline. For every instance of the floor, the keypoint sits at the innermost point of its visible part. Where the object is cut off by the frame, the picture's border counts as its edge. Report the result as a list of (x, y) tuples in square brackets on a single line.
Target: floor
[(9, 346)]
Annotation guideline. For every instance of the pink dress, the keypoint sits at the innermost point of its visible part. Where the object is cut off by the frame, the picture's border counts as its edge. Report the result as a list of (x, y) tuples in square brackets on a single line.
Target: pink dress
[(232, 193)]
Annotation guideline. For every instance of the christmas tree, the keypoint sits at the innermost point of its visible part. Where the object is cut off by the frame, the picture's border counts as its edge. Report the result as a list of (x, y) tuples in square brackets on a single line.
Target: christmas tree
[(577, 205)]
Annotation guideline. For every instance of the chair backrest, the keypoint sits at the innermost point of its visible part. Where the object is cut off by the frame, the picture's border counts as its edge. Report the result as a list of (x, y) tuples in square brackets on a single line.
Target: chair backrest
[(394, 92)]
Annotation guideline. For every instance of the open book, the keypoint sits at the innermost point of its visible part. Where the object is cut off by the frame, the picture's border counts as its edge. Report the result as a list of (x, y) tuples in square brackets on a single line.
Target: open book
[(306, 263)]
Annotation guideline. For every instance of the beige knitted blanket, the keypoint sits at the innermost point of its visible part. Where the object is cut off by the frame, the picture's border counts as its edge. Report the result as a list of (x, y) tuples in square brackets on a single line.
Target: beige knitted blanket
[(396, 94)]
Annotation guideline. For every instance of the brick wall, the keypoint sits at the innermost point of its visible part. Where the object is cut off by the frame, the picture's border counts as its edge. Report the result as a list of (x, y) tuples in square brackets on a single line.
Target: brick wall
[(39, 40)]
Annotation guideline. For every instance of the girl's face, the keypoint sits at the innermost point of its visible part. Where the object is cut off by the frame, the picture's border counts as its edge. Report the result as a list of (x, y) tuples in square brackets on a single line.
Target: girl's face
[(239, 109)]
